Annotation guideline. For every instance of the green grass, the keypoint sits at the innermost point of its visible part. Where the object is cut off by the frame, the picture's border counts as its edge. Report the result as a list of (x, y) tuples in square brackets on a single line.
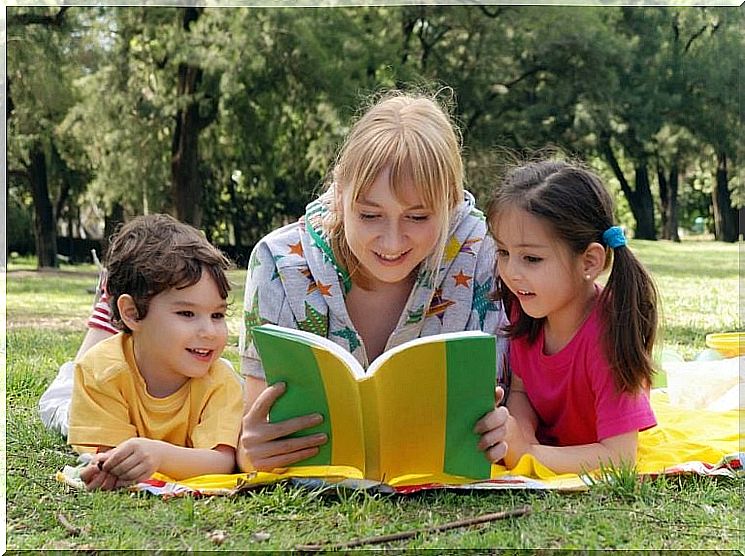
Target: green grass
[(698, 282)]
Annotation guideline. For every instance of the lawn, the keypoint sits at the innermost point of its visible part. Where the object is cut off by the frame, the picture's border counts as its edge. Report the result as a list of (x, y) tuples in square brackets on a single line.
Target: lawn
[(698, 282)]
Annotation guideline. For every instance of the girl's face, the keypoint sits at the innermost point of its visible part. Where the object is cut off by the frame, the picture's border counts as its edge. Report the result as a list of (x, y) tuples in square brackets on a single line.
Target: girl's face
[(545, 276), (389, 235)]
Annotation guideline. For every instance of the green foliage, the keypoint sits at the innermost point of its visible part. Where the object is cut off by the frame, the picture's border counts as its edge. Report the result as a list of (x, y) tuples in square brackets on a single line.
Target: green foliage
[(280, 87)]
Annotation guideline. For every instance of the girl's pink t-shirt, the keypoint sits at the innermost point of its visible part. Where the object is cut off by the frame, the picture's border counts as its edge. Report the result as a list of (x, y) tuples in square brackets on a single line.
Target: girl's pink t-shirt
[(573, 392)]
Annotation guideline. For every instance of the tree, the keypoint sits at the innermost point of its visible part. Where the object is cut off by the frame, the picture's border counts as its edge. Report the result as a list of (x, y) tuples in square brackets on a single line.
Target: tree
[(714, 75), (39, 95)]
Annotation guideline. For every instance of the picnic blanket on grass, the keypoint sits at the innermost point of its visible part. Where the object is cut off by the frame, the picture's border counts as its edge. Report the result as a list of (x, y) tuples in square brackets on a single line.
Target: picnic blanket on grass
[(684, 442)]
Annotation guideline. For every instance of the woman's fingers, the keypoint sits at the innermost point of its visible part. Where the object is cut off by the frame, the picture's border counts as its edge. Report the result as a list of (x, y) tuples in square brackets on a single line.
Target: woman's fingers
[(259, 411)]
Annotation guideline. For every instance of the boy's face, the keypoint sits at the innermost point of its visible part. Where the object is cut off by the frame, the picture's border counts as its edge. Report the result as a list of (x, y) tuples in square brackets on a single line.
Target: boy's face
[(183, 333)]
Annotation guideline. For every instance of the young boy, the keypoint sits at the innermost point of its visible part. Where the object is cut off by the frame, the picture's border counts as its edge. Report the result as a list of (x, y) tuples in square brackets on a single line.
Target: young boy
[(157, 396)]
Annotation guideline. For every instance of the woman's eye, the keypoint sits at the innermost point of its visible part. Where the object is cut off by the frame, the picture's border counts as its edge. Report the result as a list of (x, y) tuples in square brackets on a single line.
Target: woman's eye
[(419, 217), (367, 216)]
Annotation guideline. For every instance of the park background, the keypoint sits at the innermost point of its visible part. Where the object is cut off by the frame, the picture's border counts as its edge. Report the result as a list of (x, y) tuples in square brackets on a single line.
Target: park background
[(230, 118)]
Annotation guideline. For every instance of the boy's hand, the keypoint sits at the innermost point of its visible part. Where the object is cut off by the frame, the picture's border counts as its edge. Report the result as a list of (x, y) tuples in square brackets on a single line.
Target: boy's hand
[(264, 443), (95, 478), (493, 430), (134, 460)]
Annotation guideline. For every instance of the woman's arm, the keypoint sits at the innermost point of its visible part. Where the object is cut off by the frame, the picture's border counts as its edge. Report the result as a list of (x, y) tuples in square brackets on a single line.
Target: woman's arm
[(262, 445)]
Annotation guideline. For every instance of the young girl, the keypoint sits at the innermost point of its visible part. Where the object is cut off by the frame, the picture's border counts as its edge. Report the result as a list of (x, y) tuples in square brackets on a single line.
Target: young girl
[(393, 250), (580, 353)]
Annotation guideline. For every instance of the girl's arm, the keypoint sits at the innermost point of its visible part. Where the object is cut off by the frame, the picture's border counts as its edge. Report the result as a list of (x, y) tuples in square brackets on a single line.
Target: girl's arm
[(521, 425), (521, 439), (262, 445), (616, 450)]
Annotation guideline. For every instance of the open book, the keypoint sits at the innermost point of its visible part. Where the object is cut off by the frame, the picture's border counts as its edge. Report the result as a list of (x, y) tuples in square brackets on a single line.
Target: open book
[(412, 412)]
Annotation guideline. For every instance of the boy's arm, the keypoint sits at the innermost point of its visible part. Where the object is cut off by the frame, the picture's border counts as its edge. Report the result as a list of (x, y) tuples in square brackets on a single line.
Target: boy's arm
[(137, 459)]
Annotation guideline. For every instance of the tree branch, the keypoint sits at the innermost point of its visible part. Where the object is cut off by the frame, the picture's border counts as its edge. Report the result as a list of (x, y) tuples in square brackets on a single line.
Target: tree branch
[(607, 151), (696, 35), (478, 520), (496, 13), (35, 19)]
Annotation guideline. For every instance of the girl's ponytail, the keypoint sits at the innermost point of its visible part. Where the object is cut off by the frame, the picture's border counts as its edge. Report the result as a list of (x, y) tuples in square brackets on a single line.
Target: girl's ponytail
[(629, 305)]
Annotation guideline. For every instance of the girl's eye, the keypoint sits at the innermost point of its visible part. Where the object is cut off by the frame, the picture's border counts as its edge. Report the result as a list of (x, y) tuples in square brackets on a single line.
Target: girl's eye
[(502, 253), (218, 316), (185, 313)]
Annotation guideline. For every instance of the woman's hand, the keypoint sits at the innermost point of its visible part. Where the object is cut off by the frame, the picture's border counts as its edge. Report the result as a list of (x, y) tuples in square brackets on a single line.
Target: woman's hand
[(263, 446)]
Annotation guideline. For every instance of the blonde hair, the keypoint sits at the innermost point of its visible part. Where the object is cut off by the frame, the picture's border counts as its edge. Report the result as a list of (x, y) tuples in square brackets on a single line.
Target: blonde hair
[(414, 137)]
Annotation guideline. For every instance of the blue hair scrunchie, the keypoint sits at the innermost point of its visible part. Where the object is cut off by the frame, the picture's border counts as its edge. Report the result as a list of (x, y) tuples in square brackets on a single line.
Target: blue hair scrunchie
[(613, 237)]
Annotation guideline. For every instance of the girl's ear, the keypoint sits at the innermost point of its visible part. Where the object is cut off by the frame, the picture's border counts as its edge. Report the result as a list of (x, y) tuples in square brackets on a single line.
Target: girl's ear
[(593, 260), (128, 311)]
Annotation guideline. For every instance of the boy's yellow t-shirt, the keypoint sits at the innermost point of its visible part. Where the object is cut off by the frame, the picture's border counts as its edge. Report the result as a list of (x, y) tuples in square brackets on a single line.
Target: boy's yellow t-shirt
[(110, 403)]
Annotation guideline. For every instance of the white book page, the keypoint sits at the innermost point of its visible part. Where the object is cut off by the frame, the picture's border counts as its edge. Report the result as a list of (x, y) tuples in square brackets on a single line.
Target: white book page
[(315, 340), (383, 357)]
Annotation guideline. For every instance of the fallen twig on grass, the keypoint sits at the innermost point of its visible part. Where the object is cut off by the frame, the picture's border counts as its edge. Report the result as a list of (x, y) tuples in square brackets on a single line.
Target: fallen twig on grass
[(71, 529), (525, 510)]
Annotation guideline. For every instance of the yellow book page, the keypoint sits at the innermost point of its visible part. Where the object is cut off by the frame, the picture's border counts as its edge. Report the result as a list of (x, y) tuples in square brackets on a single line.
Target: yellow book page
[(406, 398), (343, 399)]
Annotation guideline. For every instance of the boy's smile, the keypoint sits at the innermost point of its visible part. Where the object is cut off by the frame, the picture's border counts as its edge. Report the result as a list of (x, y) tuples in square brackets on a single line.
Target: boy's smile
[(183, 333)]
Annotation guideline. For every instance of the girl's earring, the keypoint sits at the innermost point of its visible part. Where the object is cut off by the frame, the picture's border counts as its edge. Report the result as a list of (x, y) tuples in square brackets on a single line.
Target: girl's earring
[(587, 276)]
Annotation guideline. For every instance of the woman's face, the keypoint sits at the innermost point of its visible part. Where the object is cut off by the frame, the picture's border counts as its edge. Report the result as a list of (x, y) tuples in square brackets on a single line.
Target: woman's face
[(389, 235)]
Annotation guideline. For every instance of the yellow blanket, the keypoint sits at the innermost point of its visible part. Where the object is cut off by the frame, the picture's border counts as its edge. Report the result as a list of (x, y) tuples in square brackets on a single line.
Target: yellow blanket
[(693, 441)]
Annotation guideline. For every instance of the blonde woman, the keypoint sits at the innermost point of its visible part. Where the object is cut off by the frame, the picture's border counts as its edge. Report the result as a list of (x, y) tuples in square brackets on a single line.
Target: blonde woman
[(393, 250)]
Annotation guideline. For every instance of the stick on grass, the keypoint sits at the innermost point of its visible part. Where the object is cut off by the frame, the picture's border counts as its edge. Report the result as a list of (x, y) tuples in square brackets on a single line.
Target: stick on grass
[(525, 510)]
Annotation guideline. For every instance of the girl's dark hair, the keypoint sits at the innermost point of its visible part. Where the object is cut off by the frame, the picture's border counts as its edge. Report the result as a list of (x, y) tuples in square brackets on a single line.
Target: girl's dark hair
[(156, 252), (575, 204)]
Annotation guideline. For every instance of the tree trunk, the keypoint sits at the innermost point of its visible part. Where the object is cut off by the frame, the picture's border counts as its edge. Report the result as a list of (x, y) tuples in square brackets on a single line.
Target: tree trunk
[(639, 198), (237, 214), (669, 203), (110, 224), (186, 186), (642, 205), (45, 226), (725, 215)]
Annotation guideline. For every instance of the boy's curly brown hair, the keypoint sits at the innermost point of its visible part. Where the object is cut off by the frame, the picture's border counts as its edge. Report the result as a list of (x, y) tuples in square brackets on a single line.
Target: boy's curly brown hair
[(156, 252)]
